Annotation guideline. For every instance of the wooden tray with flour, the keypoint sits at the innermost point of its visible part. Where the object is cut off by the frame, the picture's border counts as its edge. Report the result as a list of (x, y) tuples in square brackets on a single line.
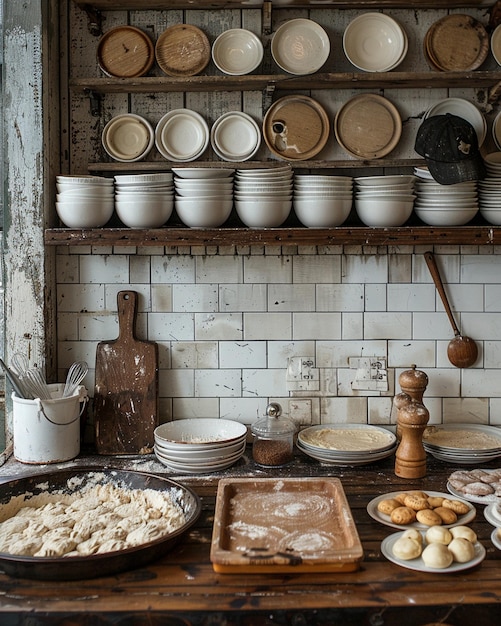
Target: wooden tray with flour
[(270, 525)]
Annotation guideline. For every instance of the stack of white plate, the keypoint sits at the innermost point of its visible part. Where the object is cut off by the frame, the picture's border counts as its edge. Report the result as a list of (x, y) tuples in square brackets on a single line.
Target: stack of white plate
[(489, 189), (235, 136), (263, 197), (84, 201), (204, 196), (444, 205), (463, 443), (347, 444), (462, 108), (375, 42), (384, 201), (200, 445), (182, 135), (144, 200), (322, 201)]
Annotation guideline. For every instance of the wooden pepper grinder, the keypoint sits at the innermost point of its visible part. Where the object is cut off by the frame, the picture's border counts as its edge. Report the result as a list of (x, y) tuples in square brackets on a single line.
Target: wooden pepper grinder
[(413, 416)]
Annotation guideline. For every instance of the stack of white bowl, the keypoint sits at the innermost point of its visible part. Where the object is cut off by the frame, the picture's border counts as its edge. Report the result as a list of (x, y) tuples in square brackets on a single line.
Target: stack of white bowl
[(444, 205), (84, 201), (200, 445), (489, 189), (322, 201), (263, 197), (204, 196), (144, 200), (384, 201)]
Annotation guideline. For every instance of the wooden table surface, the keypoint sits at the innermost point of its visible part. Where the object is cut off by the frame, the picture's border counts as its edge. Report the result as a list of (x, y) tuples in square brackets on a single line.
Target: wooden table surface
[(182, 589)]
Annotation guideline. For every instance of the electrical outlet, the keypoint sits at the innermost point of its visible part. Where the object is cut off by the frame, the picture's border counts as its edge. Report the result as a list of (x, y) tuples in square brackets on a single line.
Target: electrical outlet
[(302, 375), (371, 374)]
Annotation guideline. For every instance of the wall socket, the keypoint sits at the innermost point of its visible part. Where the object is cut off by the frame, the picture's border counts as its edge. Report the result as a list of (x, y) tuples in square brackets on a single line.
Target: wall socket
[(302, 375), (371, 374)]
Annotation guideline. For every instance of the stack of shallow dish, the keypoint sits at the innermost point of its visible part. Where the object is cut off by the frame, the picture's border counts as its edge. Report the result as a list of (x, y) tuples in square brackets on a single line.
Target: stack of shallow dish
[(300, 46), (322, 201), (182, 135), (84, 201), (204, 196), (346, 444), (263, 197), (463, 443), (237, 51), (128, 137), (200, 445), (444, 205), (384, 201), (489, 189), (235, 136), (375, 42), (462, 108), (144, 200)]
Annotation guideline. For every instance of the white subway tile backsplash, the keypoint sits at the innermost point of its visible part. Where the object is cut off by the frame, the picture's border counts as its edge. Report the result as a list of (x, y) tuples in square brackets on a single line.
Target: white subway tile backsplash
[(291, 297), (405, 353), (190, 408), (365, 269), (375, 297), (195, 298), (264, 382), (340, 297), (268, 269), (411, 297), (94, 327), (272, 326), (140, 269), (242, 354), (68, 269), (107, 268), (171, 326), (244, 410), (316, 325), (233, 297), (79, 297), (344, 410), (279, 352), (381, 325), (219, 269), (352, 326), (194, 354), (173, 269), (466, 410), (316, 269), (218, 326), (481, 383), (218, 383), (492, 298), (480, 269), (161, 298), (176, 383), (492, 354)]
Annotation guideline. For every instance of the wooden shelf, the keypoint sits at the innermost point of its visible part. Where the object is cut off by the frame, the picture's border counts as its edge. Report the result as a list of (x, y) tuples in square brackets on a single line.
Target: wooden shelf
[(285, 82), (405, 235)]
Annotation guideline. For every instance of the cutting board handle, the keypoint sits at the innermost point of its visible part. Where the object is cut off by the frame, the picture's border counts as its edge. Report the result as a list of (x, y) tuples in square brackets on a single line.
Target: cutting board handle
[(127, 314)]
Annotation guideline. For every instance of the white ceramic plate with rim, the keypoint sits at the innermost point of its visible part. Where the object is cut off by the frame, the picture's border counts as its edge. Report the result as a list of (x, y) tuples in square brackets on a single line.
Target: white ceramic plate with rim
[(462, 108), (235, 136), (237, 52), (492, 513), (182, 135), (372, 510), (300, 46), (128, 137), (418, 563)]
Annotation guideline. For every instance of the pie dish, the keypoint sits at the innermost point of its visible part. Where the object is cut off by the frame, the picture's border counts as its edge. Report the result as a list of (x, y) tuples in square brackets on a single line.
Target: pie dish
[(300, 46), (128, 137), (237, 51)]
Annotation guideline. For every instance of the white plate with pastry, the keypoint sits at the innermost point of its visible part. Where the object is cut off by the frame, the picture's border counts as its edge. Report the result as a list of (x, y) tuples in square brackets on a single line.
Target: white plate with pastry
[(418, 564), (492, 514), (479, 485), (376, 504), (496, 538)]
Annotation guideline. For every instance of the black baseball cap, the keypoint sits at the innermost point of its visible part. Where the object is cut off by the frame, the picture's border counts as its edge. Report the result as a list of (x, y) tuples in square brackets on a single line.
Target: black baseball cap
[(449, 145)]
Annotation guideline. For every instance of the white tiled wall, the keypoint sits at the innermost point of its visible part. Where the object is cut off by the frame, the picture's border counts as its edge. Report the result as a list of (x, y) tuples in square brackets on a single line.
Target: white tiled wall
[(227, 320)]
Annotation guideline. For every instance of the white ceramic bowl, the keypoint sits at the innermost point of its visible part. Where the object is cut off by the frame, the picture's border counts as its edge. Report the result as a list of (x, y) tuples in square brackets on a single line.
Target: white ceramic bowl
[(182, 135), (374, 42), (300, 46), (446, 217), (237, 51), (144, 179), (491, 215), (128, 138), (383, 212), (199, 433), (202, 172), (85, 214), (322, 212), (496, 44), (91, 192), (143, 213), (263, 212), (203, 212)]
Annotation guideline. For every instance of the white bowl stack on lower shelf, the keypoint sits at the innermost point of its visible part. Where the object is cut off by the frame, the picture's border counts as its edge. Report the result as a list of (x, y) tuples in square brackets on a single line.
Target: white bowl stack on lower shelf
[(322, 201), (384, 201), (489, 189), (144, 200), (200, 445), (84, 201)]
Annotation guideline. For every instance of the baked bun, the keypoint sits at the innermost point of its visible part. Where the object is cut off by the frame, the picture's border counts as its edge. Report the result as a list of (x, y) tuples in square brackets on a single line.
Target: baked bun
[(437, 555), (406, 548), (438, 534), (413, 533), (462, 550), (387, 505), (428, 517), (465, 532), (403, 515), (461, 508), (446, 515)]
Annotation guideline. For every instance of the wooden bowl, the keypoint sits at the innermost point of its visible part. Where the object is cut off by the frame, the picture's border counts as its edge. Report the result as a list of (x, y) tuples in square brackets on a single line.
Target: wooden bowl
[(182, 50), (125, 52)]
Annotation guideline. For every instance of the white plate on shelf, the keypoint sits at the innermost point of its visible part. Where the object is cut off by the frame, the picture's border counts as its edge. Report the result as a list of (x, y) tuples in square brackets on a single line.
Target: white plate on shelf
[(418, 564), (300, 46), (462, 108), (235, 136), (182, 135), (237, 52), (386, 520)]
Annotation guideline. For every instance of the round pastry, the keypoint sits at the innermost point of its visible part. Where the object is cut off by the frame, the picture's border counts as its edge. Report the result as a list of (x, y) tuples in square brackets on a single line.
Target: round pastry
[(462, 550), (446, 515), (406, 548), (438, 534), (465, 532), (428, 517), (416, 502), (461, 508), (403, 515), (388, 505), (435, 501), (400, 497), (413, 533), (437, 555)]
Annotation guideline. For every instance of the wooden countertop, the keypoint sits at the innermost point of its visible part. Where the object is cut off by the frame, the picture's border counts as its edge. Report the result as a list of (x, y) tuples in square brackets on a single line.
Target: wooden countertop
[(182, 589)]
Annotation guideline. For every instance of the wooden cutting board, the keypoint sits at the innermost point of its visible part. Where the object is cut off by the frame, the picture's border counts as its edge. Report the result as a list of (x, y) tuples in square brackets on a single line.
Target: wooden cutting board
[(126, 387)]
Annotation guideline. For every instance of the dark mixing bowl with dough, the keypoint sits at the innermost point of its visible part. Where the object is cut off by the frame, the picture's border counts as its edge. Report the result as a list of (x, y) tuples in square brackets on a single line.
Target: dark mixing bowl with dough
[(101, 564)]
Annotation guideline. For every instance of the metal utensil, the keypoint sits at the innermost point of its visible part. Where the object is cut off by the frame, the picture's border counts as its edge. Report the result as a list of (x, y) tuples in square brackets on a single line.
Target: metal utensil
[(13, 380), (20, 363), (34, 381), (76, 373), (462, 351)]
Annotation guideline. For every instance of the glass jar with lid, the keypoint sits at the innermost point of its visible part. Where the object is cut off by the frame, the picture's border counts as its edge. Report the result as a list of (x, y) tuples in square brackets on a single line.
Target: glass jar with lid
[(273, 443)]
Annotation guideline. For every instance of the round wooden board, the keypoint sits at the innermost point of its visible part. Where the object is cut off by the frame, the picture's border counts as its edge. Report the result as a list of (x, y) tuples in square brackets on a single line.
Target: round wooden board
[(182, 50), (457, 43), (368, 126), (125, 52), (296, 128)]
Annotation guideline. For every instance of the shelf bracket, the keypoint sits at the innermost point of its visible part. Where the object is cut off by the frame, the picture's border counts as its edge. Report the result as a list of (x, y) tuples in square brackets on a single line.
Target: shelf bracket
[(94, 20), (266, 19), (268, 95), (95, 99)]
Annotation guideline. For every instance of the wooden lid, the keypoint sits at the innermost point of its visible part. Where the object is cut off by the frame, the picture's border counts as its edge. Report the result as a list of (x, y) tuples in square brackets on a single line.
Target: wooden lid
[(182, 50), (125, 52), (456, 43), (368, 126), (296, 128)]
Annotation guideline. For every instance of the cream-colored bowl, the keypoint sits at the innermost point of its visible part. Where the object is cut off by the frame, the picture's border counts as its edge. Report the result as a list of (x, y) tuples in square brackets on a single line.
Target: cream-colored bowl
[(144, 213), (383, 212), (81, 213), (237, 51), (128, 137), (322, 212), (446, 217), (203, 212)]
